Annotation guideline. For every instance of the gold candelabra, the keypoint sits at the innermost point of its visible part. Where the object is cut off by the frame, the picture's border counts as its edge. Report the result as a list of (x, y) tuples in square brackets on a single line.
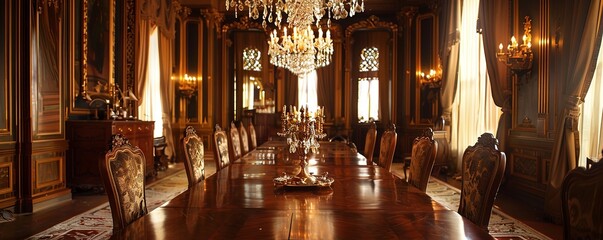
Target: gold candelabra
[(303, 130), (518, 57)]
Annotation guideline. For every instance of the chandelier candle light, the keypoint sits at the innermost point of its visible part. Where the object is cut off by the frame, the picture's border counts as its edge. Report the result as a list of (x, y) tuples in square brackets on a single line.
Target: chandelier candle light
[(300, 52)]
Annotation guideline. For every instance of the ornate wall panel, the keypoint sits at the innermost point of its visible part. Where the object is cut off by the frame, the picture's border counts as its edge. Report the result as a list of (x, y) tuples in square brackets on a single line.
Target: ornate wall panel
[(46, 46), (528, 164)]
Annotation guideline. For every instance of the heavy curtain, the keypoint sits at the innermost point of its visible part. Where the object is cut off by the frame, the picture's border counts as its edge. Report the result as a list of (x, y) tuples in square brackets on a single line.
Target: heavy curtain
[(591, 119), (578, 43), (142, 43), (290, 88), (474, 111), (326, 89), (163, 14), (492, 14), (450, 23)]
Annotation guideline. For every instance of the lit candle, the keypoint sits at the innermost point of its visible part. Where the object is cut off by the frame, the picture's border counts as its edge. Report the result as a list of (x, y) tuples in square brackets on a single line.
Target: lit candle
[(500, 48), (524, 38)]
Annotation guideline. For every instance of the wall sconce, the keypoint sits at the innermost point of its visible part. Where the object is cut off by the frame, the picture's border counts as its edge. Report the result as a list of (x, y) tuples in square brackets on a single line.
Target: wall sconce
[(188, 85), (518, 57), (433, 79)]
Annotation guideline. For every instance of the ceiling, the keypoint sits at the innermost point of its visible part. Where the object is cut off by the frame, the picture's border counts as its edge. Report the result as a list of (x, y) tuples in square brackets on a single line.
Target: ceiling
[(374, 6)]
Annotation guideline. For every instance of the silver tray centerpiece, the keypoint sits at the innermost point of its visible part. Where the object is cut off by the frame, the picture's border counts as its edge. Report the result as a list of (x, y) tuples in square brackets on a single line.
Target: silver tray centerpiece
[(296, 181)]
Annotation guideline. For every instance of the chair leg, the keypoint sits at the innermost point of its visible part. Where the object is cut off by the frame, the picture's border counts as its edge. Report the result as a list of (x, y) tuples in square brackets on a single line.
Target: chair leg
[(406, 166)]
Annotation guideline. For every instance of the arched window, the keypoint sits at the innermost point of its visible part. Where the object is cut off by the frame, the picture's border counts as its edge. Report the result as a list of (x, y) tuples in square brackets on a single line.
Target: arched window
[(251, 59), (368, 85), (252, 83)]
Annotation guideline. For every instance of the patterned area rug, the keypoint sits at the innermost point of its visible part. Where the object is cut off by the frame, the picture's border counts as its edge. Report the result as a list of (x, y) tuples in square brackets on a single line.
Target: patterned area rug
[(6, 216), (97, 223), (501, 226)]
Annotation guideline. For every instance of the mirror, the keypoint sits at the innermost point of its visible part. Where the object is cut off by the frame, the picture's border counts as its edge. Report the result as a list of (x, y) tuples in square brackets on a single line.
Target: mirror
[(47, 74), (428, 71), (192, 71), (249, 51), (96, 79)]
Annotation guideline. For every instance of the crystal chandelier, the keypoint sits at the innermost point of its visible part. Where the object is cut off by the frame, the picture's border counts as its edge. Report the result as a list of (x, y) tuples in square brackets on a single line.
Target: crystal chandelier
[(300, 52)]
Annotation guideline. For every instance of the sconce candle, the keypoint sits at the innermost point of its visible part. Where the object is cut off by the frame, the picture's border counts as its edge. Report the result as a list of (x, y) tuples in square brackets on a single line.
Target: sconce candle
[(518, 57)]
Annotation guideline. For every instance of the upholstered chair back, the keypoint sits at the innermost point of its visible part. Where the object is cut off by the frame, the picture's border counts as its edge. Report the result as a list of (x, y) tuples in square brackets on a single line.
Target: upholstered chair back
[(252, 136), (370, 142), (221, 148), (194, 153), (423, 155), (235, 142), (244, 139), (582, 203), (387, 147), (482, 171), (122, 172)]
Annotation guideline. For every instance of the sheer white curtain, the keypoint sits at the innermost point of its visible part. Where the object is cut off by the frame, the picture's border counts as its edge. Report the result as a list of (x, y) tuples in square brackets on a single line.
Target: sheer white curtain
[(368, 89), (150, 108), (474, 111), (307, 95), (591, 124)]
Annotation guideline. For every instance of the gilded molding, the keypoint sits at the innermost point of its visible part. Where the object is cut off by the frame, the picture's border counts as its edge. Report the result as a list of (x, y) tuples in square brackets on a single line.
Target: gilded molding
[(370, 23), (213, 18), (407, 15), (243, 24), (185, 12), (130, 48), (57, 4), (84, 48)]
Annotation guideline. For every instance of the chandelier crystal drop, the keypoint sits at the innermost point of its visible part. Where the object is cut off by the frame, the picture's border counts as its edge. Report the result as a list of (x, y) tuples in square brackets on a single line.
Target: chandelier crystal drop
[(300, 52), (299, 12)]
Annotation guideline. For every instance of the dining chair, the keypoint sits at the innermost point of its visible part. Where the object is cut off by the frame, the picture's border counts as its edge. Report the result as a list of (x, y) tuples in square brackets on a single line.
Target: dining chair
[(582, 203), (221, 148), (252, 136), (369, 143), (483, 166), (244, 139), (194, 153), (122, 173), (387, 147), (235, 142), (424, 149)]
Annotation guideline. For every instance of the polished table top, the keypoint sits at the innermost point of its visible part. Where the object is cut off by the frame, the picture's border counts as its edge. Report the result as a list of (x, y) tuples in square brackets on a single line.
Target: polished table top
[(364, 202)]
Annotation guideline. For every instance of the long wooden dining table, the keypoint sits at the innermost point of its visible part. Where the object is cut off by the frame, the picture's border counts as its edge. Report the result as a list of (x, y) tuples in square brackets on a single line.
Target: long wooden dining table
[(241, 201)]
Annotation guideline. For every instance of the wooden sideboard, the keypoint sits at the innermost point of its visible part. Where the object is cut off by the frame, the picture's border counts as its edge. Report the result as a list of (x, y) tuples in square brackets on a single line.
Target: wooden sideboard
[(89, 140)]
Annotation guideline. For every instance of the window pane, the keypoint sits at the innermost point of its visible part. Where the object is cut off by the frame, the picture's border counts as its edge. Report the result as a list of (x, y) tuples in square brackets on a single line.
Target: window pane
[(374, 99), (307, 93), (363, 100)]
